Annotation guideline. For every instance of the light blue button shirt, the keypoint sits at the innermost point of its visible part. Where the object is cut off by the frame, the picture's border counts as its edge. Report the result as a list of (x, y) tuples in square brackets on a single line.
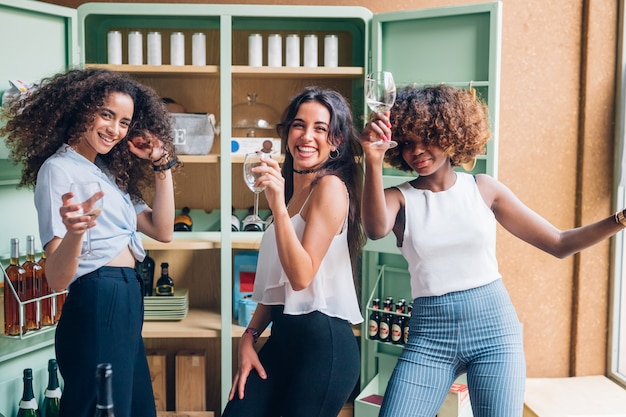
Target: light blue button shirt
[(116, 227)]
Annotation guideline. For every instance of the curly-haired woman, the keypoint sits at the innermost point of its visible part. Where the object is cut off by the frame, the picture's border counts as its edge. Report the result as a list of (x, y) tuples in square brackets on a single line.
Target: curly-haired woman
[(444, 222), (97, 125)]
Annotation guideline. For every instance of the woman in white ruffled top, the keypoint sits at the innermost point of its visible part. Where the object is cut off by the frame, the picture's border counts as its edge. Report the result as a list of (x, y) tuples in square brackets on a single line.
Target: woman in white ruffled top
[(304, 281)]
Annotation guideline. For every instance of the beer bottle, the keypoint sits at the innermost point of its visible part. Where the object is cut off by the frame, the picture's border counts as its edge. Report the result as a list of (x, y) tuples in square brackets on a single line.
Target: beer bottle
[(374, 319), (397, 324)]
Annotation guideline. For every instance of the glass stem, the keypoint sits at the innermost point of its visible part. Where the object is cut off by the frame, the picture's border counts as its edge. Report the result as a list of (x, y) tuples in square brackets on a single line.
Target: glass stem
[(256, 205), (88, 240)]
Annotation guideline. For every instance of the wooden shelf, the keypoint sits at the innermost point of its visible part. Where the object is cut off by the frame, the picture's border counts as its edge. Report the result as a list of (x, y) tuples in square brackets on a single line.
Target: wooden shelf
[(204, 240), (160, 69), (238, 70), (297, 72), (198, 324)]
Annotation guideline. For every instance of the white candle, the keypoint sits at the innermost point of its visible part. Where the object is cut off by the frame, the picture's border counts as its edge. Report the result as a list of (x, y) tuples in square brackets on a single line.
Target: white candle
[(255, 50), (198, 49), (274, 50), (310, 51), (135, 48), (292, 51), (114, 47), (331, 51), (177, 48), (154, 48)]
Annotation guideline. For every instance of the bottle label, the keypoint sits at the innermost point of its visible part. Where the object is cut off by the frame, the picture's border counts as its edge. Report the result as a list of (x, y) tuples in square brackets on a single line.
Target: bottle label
[(373, 329), (406, 334), (383, 331), (396, 333), (53, 393), (28, 404), (164, 290)]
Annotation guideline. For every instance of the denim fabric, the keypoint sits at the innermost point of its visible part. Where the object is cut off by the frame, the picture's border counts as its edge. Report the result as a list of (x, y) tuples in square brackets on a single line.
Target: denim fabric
[(101, 322), (475, 331)]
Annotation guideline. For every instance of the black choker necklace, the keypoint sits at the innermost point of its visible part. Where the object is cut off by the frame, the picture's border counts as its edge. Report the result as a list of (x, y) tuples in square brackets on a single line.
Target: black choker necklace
[(306, 171)]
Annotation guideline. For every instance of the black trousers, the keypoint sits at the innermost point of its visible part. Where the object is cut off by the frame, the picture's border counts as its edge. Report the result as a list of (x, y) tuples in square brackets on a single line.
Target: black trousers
[(101, 322), (312, 362)]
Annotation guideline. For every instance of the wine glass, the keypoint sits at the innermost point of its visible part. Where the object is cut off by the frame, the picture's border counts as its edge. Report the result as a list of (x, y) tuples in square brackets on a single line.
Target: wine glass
[(380, 94), (84, 192), (250, 161)]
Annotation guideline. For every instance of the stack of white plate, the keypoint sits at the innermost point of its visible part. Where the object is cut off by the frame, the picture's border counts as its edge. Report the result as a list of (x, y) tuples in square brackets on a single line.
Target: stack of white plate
[(160, 308)]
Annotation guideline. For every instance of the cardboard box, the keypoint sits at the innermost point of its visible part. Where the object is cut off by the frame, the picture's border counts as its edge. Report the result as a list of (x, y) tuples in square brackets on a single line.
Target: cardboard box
[(185, 414), (190, 381), (243, 277), (457, 402), (156, 363), (246, 311)]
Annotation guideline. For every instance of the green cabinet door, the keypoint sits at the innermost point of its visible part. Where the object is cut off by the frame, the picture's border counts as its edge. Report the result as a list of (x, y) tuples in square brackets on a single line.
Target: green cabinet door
[(38, 39)]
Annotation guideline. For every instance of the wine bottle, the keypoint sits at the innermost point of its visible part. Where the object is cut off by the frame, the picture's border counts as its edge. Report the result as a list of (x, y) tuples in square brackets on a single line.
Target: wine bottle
[(52, 394), (48, 305), (15, 276), (60, 300), (32, 287), (145, 269), (28, 405), (235, 223), (104, 404), (183, 222), (250, 224), (165, 284)]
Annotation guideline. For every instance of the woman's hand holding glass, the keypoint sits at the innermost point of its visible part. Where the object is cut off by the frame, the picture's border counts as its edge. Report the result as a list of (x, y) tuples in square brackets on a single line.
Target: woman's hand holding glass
[(84, 208), (375, 132), (380, 96)]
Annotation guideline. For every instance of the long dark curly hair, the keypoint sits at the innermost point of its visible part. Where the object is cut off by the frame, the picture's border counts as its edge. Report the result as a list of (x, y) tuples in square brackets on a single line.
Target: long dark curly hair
[(63, 107), (450, 118), (343, 135)]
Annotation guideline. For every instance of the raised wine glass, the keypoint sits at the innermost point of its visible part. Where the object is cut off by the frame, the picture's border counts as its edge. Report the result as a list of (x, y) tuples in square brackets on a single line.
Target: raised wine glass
[(250, 161), (380, 94), (83, 193)]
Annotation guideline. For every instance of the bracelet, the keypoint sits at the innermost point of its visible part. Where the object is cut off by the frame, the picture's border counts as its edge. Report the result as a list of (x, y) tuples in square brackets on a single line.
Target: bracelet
[(167, 166), (253, 332), (163, 155), (620, 218)]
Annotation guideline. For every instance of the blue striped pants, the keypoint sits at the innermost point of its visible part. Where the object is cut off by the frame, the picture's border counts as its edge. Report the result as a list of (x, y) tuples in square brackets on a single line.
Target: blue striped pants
[(475, 332)]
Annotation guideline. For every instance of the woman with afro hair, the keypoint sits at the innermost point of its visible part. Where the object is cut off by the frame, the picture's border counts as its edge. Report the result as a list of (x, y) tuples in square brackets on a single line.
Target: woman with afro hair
[(444, 222), (97, 125)]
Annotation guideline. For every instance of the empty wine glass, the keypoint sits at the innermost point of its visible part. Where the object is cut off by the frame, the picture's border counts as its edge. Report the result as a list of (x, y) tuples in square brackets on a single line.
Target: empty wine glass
[(380, 94), (89, 206), (250, 161)]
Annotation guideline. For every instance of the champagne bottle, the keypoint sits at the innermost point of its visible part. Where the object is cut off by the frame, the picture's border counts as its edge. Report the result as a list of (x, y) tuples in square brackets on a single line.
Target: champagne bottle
[(28, 405), (165, 284), (183, 222), (48, 305), (32, 287), (104, 404), (15, 276), (52, 394), (145, 269)]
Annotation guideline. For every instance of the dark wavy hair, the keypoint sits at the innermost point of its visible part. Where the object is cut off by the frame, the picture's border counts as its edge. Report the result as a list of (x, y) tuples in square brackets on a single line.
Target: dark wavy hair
[(341, 134), (63, 107), (450, 118)]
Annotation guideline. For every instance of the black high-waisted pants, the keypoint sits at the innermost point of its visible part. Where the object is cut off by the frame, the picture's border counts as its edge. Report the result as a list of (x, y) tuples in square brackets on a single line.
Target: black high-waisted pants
[(312, 364), (101, 322)]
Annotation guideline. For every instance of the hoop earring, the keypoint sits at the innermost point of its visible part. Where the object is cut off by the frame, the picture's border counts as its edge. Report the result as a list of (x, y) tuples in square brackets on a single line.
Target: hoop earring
[(333, 154), (287, 149)]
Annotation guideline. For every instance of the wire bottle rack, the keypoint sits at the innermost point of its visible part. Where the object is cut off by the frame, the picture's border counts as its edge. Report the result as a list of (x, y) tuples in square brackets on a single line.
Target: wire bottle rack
[(22, 305)]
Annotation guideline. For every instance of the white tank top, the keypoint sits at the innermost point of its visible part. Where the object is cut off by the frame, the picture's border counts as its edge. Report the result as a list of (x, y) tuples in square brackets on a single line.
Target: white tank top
[(332, 290), (449, 238)]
